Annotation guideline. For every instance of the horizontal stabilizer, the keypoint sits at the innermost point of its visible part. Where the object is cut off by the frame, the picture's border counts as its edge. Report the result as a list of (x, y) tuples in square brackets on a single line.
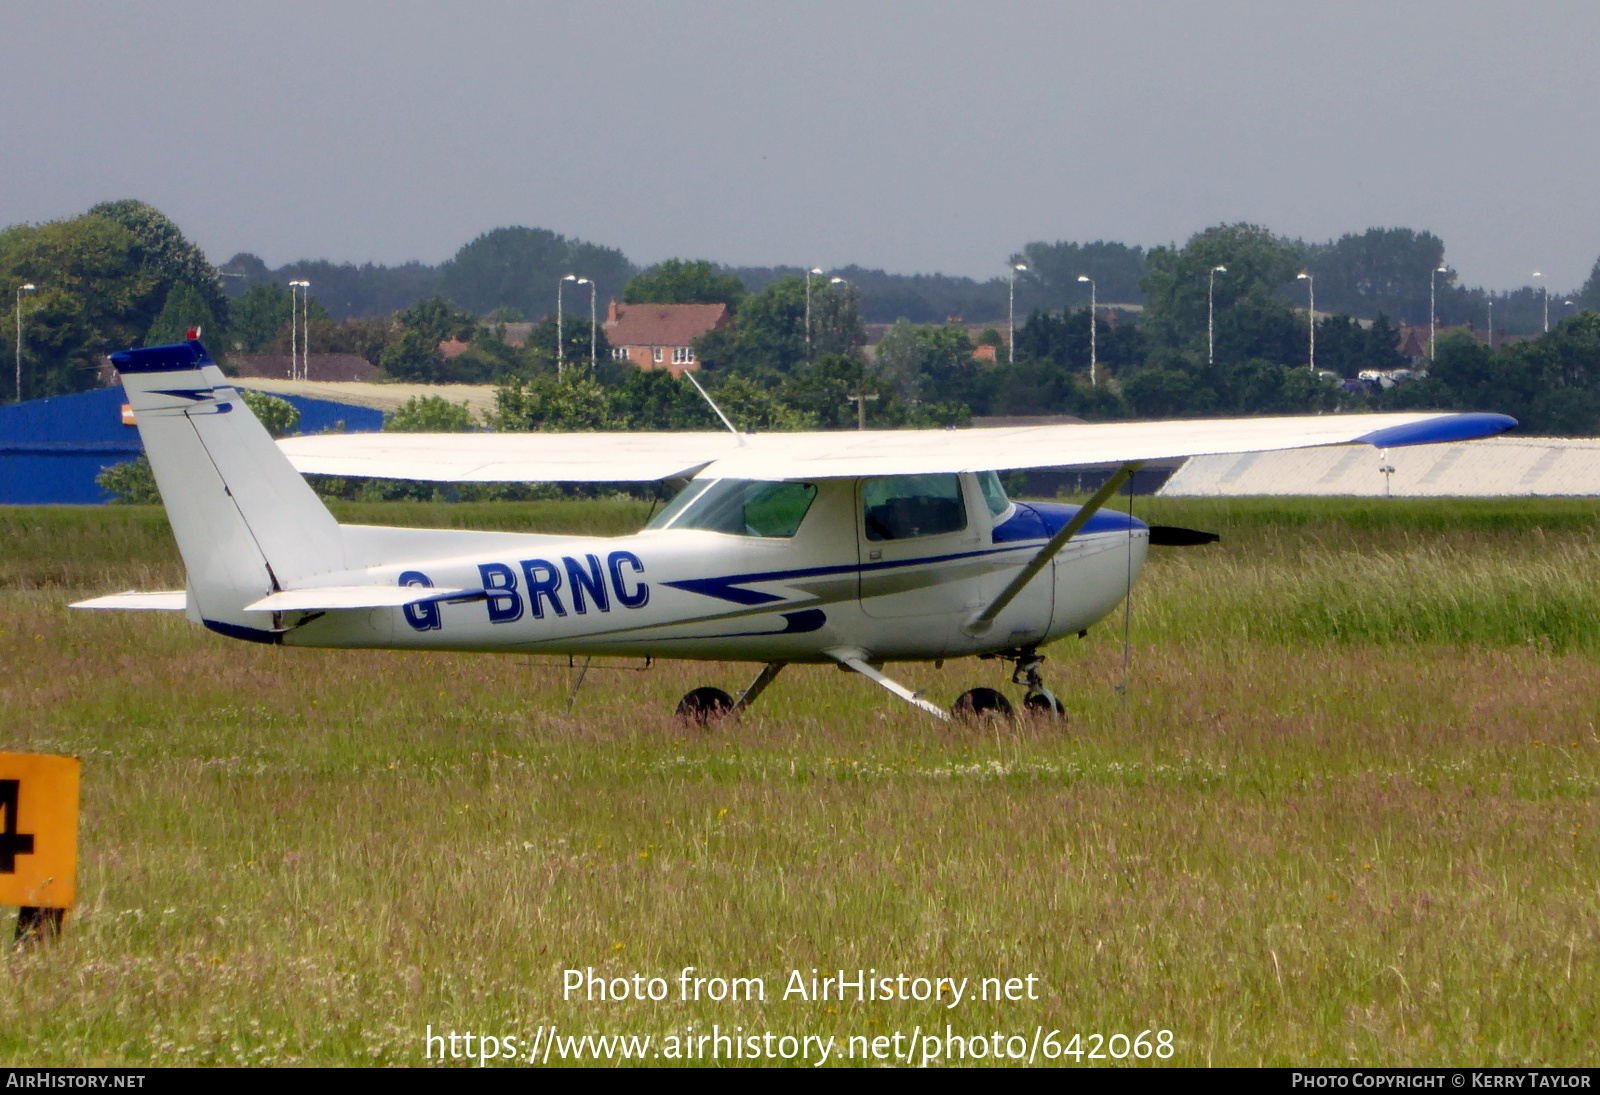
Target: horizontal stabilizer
[(333, 598), (173, 601)]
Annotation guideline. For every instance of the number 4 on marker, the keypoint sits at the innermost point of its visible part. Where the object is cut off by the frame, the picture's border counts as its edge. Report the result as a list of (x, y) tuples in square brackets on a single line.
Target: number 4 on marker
[(12, 843)]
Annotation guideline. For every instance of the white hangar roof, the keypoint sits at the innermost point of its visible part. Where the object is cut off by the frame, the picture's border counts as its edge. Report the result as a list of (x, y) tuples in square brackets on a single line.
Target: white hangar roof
[(1493, 467)]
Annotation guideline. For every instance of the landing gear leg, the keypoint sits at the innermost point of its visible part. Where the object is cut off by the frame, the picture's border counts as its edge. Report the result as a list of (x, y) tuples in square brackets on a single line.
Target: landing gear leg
[(705, 706), (856, 660), (769, 672), (1038, 699)]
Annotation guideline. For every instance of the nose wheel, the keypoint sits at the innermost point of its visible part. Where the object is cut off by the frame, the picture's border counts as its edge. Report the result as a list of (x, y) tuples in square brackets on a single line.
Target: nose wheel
[(1037, 699)]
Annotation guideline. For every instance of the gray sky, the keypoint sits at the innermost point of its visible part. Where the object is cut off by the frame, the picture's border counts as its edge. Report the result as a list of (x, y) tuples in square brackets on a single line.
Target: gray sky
[(918, 137)]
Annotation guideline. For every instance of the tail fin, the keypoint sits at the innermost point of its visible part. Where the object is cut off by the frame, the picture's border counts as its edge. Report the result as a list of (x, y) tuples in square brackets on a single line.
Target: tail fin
[(246, 523)]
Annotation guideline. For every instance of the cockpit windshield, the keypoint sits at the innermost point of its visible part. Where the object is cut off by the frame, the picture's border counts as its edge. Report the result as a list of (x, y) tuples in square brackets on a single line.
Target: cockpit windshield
[(741, 507), (994, 495)]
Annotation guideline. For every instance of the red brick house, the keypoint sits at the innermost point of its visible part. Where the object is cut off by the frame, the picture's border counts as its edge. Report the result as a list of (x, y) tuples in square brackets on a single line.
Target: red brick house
[(661, 336)]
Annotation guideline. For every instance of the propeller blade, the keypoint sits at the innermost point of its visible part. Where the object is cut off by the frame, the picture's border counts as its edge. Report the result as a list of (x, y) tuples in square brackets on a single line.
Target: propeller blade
[(1173, 536)]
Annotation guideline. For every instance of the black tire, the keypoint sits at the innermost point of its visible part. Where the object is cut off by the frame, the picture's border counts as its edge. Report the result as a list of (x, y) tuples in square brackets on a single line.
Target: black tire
[(981, 703), (1040, 705), (705, 705)]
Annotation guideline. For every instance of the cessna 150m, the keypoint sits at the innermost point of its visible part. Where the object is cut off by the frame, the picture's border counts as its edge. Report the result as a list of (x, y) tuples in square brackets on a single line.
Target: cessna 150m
[(856, 549)]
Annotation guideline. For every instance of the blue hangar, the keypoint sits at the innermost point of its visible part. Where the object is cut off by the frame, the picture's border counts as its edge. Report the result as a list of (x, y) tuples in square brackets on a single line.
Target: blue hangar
[(52, 449)]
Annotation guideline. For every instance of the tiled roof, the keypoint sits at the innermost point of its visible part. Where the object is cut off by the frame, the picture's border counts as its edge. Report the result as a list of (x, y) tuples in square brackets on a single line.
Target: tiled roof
[(661, 324)]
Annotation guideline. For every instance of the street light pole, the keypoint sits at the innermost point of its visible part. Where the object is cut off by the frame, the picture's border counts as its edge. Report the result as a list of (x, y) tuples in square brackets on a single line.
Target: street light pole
[(1093, 301), (1211, 315), (817, 270), (1491, 322), (560, 340), (28, 288), (1011, 313), (1545, 290), (300, 321), (1311, 316), (294, 328), (1433, 311), (590, 284), (305, 329)]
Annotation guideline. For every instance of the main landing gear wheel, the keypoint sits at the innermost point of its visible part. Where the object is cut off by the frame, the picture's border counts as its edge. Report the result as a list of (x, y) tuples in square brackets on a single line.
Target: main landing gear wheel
[(981, 703), (704, 706)]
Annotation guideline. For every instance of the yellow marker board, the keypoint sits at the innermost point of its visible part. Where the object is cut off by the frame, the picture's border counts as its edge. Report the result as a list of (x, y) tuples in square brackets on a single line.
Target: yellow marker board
[(38, 830)]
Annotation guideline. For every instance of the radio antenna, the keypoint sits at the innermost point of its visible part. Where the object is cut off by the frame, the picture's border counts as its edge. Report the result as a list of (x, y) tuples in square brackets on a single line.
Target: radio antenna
[(736, 434)]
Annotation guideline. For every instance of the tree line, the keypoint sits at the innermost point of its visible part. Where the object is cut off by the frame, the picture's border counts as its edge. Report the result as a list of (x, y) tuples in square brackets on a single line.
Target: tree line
[(1221, 328)]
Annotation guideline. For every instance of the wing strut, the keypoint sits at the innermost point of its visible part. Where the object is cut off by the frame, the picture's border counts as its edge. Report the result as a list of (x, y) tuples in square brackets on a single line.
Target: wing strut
[(985, 619), (769, 673), (851, 658)]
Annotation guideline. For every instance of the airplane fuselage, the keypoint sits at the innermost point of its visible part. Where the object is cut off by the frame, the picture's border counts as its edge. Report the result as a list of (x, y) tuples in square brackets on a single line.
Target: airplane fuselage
[(695, 594)]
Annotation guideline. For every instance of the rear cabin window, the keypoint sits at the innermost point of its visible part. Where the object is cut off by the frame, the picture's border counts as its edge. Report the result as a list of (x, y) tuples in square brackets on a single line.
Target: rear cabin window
[(741, 507), (906, 506)]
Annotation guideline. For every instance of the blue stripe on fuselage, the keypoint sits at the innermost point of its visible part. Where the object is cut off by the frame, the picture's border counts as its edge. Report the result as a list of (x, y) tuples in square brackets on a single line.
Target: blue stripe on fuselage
[(1031, 521)]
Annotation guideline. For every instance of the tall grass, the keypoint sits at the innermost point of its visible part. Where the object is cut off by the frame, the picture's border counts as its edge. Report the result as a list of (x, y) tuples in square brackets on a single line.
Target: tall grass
[(1309, 841)]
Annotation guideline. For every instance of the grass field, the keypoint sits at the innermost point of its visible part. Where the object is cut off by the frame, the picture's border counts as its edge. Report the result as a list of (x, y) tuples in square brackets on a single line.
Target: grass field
[(1346, 815)]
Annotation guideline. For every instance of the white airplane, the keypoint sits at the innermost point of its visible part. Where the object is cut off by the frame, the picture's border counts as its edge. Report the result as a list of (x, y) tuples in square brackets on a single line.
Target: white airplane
[(851, 548)]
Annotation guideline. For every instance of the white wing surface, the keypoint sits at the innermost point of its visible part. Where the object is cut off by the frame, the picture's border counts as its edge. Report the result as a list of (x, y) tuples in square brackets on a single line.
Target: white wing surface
[(644, 457), (509, 457)]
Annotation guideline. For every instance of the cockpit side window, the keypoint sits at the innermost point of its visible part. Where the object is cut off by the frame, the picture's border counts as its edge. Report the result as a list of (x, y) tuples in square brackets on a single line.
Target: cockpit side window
[(740, 507), (906, 506)]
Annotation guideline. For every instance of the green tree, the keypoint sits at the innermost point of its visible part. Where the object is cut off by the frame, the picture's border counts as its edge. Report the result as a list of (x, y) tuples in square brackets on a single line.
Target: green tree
[(1551, 385), (164, 250), (1063, 339), (678, 281), (519, 267), (926, 362), (541, 345), (94, 296), (438, 320), (131, 483), (258, 315), (1379, 270), (753, 408), (770, 336), (1347, 348), (823, 388), (1249, 309), (1588, 297), (574, 403), (185, 310), (279, 416), (103, 278), (414, 355), (1054, 269), (430, 414)]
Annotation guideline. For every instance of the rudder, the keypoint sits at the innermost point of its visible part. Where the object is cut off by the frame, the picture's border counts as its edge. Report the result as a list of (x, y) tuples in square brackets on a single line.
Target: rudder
[(247, 524)]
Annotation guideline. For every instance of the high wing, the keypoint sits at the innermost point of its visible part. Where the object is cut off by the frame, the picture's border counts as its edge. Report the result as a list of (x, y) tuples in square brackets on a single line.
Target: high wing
[(509, 457), (646, 457)]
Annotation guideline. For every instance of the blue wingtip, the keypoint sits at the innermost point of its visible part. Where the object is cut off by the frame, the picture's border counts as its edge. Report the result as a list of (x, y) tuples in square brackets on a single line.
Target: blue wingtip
[(1450, 427), (178, 357)]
